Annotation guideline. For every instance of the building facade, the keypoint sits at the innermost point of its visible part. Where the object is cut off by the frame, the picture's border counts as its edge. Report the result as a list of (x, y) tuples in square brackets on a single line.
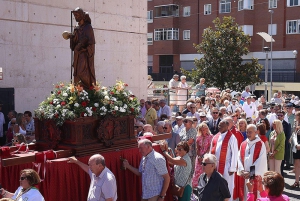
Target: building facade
[(174, 26), (34, 56)]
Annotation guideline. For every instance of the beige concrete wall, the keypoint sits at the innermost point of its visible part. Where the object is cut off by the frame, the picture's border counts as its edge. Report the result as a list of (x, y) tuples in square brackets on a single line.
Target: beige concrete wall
[(34, 56)]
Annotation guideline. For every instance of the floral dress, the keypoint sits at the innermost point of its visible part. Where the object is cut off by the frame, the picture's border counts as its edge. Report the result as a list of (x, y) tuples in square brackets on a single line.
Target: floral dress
[(203, 145)]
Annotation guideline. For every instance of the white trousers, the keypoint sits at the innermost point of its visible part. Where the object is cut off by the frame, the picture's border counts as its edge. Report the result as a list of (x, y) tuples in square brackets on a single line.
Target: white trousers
[(274, 165)]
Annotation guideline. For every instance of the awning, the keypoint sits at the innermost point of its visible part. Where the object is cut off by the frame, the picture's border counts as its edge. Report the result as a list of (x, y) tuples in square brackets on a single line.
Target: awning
[(266, 36)]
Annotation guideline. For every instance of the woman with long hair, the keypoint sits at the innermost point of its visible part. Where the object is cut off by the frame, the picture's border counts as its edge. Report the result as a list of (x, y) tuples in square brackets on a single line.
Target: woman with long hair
[(266, 122), (20, 126), (242, 127), (203, 141), (277, 145), (261, 132)]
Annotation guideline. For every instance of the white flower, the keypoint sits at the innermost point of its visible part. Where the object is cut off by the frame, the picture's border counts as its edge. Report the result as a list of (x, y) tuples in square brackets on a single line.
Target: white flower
[(116, 108), (96, 104), (113, 99), (122, 110), (125, 106), (65, 94), (76, 105), (106, 98), (58, 106), (85, 114), (104, 93)]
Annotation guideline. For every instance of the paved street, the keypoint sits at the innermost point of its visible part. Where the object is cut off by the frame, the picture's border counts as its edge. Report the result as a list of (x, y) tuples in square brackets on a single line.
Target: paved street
[(289, 179)]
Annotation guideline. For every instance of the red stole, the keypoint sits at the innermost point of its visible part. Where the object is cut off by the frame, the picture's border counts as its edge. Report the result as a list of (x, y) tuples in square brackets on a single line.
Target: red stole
[(222, 159), (257, 150), (239, 136)]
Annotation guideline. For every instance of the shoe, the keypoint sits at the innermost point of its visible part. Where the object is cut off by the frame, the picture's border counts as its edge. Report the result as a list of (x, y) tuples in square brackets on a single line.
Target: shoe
[(287, 168), (295, 185)]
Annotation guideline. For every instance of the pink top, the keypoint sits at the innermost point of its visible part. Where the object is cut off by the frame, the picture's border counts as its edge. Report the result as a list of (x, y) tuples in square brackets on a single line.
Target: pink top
[(265, 197)]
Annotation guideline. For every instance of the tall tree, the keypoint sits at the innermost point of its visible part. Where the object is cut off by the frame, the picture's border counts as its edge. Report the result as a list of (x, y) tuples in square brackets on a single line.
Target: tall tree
[(222, 65)]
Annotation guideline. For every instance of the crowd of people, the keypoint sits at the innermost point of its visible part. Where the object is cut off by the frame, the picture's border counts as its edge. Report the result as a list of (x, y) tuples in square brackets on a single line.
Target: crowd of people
[(20, 128), (224, 143), (222, 147)]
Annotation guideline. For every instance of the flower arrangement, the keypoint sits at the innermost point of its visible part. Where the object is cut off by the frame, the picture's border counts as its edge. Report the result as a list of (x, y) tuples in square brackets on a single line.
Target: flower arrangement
[(69, 101)]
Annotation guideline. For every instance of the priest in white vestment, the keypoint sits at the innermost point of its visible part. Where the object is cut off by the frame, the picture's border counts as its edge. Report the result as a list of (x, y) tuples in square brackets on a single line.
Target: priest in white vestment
[(224, 146), (252, 153)]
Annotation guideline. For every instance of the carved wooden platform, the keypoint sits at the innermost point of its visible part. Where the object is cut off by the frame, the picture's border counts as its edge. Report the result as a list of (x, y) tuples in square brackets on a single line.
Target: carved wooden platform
[(86, 135)]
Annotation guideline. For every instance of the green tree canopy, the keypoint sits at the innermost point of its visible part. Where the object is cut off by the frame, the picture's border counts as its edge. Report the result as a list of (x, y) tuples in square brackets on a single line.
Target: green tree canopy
[(222, 65)]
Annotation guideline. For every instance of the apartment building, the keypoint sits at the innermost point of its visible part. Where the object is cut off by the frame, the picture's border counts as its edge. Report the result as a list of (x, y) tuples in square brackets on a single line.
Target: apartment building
[(175, 25)]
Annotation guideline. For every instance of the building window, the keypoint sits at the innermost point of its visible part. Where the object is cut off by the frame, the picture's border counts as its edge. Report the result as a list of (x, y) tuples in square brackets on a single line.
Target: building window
[(186, 11), (167, 11), (247, 29), (150, 16), (186, 34), (207, 9), (166, 34), (225, 6), (273, 28), (293, 3), (245, 5), (240, 5), (150, 38), (292, 26), (272, 3)]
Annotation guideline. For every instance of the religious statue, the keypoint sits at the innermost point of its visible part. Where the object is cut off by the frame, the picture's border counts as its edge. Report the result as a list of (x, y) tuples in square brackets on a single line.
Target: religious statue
[(82, 42)]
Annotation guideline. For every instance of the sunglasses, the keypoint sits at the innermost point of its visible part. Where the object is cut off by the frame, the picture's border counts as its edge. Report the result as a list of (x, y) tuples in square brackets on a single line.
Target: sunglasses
[(185, 122), (204, 164), (215, 112), (165, 128), (179, 149), (136, 126), (13, 140), (12, 123), (279, 115), (22, 178)]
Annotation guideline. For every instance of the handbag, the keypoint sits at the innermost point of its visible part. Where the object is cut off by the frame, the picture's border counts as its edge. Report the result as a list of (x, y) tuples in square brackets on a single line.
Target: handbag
[(177, 190)]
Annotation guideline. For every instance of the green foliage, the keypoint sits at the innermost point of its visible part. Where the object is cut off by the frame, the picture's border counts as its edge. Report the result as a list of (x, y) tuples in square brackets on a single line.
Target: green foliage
[(222, 65)]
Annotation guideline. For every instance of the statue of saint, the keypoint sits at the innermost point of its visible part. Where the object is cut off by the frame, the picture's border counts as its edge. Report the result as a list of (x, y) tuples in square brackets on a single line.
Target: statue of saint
[(82, 42)]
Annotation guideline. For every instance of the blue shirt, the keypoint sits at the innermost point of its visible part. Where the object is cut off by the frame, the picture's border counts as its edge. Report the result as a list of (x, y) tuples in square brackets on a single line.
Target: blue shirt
[(152, 167)]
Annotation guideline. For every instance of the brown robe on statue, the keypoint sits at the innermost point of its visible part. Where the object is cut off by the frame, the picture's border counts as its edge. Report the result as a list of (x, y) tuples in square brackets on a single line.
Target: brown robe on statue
[(83, 45)]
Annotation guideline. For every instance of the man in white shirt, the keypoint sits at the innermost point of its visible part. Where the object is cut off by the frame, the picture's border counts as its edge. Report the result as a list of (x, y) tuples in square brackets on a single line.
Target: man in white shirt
[(224, 146), (249, 108), (103, 185), (165, 109), (173, 85), (252, 153)]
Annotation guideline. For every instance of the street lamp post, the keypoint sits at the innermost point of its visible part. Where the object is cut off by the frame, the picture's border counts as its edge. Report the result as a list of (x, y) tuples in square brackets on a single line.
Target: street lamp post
[(295, 54), (266, 50), (271, 59)]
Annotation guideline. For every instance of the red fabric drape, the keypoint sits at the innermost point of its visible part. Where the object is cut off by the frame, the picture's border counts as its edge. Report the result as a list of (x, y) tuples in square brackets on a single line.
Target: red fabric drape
[(68, 182)]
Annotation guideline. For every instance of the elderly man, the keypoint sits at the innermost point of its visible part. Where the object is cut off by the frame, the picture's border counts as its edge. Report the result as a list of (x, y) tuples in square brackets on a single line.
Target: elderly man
[(252, 153), (103, 185), (11, 114), (193, 112), (173, 85), (249, 108), (224, 146), (212, 185), (138, 126), (231, 108), (151, 116), (160, 127), (175, 139), (246, 93), (142, 107), (179, 124), (165, 109), (153, 169), (214, 122)]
